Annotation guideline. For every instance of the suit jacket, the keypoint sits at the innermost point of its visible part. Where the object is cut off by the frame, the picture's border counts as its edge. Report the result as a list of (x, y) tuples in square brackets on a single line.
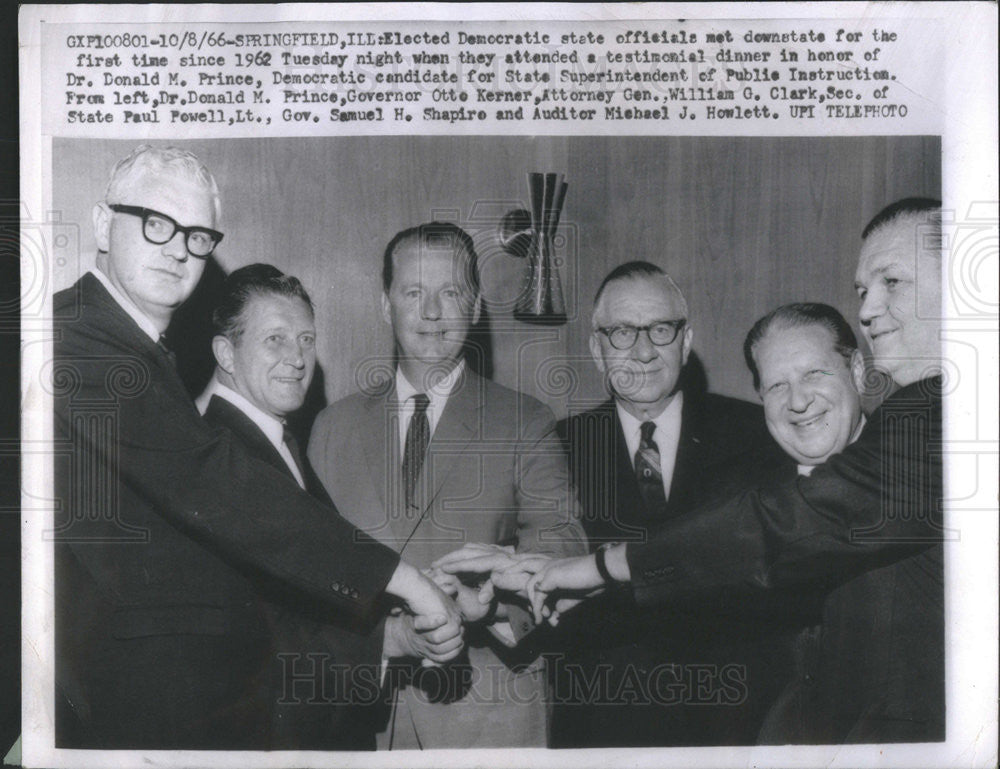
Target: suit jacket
[(165, 531), (311, 649), (869, 522), (702, 674), (494, 472)]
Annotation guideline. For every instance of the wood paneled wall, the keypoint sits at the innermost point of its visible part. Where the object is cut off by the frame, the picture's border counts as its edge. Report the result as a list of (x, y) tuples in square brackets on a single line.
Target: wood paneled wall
[(742, 224)]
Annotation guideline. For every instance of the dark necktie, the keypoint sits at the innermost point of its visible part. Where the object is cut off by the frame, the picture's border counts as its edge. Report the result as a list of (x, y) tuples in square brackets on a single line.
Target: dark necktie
[(418, 435), (293, 449), (647, 469), (171, 355)]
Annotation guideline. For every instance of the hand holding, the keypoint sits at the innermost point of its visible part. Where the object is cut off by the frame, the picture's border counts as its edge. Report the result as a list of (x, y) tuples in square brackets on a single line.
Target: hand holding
[(474, 604), (409, 636), (573, 575)]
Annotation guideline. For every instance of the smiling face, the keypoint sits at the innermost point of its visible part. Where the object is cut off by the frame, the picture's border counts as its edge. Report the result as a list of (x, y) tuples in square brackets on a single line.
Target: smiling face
[(156, 278), (271, 363), (644, 377), (430, 306), (811, 394), (899, 284)]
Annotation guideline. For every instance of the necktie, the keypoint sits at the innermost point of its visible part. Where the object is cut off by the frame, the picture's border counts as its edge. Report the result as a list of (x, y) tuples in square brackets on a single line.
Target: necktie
[(293, 449), (647, 469), (171, 355), (418, 435)]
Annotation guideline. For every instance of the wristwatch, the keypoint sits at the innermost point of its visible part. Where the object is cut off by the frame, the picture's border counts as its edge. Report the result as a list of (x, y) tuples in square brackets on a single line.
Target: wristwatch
[(602, 567)]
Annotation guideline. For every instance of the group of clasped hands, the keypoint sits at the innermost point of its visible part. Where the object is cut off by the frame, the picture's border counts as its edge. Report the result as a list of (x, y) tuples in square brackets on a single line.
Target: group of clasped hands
[(545, 583)]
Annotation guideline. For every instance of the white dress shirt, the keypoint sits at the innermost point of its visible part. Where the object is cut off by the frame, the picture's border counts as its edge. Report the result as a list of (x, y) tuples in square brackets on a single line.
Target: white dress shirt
[(272, 427), (667, 436), (148, 327), (437, 395)]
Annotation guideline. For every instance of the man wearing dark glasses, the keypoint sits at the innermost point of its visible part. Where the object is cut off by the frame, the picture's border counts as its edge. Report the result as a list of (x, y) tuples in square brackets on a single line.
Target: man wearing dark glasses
[(166, 529), (654, 449)]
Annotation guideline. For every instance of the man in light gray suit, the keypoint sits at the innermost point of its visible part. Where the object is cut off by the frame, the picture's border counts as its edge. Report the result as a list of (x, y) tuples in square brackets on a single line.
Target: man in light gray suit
[(446, 457)]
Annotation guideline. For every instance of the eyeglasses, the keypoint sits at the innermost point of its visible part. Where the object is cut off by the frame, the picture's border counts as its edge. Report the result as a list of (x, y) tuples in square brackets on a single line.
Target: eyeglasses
[(159, 228), (661, 333)]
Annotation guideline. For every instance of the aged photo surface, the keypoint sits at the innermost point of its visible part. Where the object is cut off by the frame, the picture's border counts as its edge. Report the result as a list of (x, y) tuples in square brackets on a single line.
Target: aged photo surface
[(503, 417)]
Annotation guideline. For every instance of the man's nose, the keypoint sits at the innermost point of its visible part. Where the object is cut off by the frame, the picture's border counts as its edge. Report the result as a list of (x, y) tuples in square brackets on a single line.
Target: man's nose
[(430, 308), (872, 306), (799, 397), (295, 355), (176, 247), (644, 350)]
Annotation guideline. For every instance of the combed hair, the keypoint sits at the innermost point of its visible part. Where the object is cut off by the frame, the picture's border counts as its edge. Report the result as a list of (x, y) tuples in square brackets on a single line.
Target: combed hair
[(160, 160), (436, 236), (636, 270), (798, 315), (928, 209), (245, 283)]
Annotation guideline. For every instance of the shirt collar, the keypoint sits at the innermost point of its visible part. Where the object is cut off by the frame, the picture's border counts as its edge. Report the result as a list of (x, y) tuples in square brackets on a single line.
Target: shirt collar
[(667, 423), (807, 469), (272, 427), (127, 305), (438, 394)]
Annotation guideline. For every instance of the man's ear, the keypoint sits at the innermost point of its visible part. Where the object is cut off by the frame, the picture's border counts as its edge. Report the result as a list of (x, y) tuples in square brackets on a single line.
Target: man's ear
[(595, 351), (686, 343), (222, 348), (386, 308), (857, 365), (477, 307), (101, 216)]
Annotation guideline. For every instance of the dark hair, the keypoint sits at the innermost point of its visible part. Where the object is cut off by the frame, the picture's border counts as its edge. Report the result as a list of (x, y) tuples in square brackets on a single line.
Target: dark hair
[(436, 236), (245, 283), (915, 207), (798, 315)]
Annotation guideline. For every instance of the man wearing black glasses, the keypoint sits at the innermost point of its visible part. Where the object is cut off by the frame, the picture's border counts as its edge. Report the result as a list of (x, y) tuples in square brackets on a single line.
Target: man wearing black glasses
[(652, 451), (167, 530)]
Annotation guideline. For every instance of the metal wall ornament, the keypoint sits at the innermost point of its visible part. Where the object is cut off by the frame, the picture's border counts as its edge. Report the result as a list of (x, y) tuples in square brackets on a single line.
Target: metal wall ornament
[(530, 234)]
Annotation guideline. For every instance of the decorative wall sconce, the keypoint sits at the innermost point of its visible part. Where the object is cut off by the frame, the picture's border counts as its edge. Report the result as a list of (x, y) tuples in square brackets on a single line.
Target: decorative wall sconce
[(530, 234)]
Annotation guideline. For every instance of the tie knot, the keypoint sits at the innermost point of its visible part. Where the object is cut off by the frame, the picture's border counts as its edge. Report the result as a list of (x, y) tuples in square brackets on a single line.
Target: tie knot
[(420, 403), (646, 430), (287, 436)]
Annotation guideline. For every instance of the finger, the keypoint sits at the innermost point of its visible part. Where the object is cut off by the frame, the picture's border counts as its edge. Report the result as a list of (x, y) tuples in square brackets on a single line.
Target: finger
[(443, 634), (429, 663), (486, 592), (471, 550), (445, 647), (536, 598), (477, 564), (425, 622)]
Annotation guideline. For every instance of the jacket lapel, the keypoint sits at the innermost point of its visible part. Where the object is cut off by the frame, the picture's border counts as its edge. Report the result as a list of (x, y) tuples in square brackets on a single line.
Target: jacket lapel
[(222, 412)]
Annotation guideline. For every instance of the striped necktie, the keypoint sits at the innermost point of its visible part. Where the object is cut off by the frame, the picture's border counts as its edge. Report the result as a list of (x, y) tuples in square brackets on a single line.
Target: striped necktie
[(647, 469), (418, 435)]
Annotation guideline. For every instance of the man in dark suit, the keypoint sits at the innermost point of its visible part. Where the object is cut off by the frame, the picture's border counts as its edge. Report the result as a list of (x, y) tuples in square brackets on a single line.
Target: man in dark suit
[(167, 529), (870, 514), (809, 373), (651, 452), (265, 351), (441, 456)]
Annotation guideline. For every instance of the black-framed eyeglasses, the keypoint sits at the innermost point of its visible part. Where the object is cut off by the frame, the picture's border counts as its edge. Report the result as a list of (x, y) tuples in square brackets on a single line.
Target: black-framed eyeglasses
[(159, 228), (661, 333)]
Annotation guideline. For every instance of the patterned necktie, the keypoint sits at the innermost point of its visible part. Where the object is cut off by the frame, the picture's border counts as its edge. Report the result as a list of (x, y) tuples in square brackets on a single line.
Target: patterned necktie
[(293, 449), (647, 469), (418, 435), (171, 355)]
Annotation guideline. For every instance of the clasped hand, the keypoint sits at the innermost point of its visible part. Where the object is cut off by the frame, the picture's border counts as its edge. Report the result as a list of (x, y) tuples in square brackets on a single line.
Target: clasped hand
[(548, 584)]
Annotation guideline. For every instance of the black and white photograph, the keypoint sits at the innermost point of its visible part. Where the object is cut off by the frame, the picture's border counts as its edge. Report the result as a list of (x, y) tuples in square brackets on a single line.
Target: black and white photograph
[(359, 430)]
